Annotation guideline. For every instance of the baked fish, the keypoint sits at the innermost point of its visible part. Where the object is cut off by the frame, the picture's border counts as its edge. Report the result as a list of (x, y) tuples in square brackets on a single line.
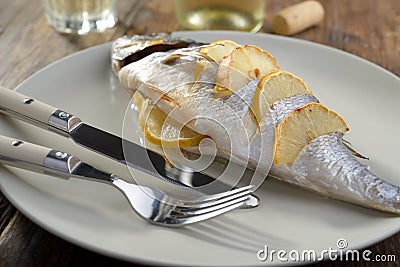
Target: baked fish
[(254, 112)]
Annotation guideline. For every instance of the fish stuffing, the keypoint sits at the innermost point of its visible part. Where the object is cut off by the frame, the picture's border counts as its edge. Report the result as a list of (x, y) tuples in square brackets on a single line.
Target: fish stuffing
[(179, 78)]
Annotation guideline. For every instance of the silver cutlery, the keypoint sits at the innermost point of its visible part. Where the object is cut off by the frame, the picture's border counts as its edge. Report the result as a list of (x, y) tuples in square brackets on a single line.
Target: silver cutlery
[(61, 122), (151, 204)]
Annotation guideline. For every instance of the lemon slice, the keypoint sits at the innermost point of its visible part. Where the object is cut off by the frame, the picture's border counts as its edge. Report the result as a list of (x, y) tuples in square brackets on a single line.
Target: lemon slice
[(138, 100), (301, 126), (218, 49), (165, 132), (240, 66), (273, 87)]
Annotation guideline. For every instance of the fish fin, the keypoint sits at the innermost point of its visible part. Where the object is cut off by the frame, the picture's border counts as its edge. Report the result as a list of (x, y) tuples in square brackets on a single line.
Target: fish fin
[(162, 95), (170, 164), (348, 145)]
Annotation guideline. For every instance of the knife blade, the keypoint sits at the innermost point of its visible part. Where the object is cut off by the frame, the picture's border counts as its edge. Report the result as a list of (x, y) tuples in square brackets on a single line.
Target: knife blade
[(61, 122)]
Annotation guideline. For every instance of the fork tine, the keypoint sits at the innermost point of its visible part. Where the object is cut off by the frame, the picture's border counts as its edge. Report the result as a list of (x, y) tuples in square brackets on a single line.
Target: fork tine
[(209, 198), (213, 202), (183, 212), (180, 221)]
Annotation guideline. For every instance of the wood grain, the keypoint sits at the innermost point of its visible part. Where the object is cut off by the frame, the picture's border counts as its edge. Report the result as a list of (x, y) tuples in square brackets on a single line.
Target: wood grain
[(367, 28)]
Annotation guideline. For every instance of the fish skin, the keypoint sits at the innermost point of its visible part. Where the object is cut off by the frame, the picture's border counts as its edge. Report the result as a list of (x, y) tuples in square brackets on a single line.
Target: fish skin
[(141, 45), (324, 165), (281, 108)]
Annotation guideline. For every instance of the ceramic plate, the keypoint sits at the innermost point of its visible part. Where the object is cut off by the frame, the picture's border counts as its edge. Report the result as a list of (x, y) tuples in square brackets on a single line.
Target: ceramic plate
[(97, 217)]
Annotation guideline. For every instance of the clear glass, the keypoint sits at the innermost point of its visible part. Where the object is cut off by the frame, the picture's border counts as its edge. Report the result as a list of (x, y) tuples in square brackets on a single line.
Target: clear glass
[(220, 14), (80, 16)]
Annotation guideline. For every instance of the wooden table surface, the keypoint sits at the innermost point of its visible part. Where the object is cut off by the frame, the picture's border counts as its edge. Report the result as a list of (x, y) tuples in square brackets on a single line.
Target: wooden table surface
[(367, 28)]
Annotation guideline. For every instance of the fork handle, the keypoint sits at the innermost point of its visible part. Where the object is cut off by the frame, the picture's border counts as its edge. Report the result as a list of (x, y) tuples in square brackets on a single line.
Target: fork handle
[(35, 112), (36, 158)]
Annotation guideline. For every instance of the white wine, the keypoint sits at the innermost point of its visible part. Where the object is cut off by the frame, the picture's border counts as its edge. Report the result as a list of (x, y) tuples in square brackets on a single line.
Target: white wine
[(220, 14), (80, 16)]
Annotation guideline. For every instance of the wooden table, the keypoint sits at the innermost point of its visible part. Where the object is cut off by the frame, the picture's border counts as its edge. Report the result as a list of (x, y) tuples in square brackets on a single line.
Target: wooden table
[(367, 28)]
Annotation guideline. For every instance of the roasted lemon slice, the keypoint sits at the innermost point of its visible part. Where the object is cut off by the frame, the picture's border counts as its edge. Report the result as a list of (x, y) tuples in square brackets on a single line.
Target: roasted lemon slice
[(138, 99), (273, 87), (165, 132), (241, 65), (301, 126), (218, 49)]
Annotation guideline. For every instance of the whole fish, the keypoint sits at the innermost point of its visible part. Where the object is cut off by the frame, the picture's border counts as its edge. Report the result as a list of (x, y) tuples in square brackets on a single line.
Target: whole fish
[(165, 69)]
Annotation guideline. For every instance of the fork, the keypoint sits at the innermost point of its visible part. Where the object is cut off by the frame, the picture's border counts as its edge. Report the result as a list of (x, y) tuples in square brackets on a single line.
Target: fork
[(151, 204)]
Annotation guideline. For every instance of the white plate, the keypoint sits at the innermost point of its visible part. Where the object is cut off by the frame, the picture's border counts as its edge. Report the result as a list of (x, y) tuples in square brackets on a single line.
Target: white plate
[(97, 217)]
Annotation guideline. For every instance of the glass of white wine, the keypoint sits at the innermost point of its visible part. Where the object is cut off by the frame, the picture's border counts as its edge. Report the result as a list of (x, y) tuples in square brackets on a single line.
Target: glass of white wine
[(80, 16), (220, 14)]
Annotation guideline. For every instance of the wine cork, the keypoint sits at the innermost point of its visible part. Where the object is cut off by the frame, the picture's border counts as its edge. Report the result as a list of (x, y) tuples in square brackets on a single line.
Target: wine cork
[(296, 18)]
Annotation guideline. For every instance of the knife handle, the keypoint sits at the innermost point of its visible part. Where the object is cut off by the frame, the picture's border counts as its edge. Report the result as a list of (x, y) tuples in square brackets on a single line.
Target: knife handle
[(35, 112), (21, 154)]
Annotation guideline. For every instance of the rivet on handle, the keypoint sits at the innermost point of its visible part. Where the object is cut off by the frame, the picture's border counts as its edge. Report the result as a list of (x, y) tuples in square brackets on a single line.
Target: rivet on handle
[(63, 115), (28, 101), (17, 143), (61, 155)]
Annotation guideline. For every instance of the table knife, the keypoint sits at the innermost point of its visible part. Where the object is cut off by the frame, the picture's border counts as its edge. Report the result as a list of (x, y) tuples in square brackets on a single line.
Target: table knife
[(63, 123)]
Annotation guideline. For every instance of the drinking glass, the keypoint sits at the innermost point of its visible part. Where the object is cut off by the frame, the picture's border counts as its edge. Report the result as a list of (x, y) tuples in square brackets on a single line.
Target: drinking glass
[(220, 14), (80, 16)]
